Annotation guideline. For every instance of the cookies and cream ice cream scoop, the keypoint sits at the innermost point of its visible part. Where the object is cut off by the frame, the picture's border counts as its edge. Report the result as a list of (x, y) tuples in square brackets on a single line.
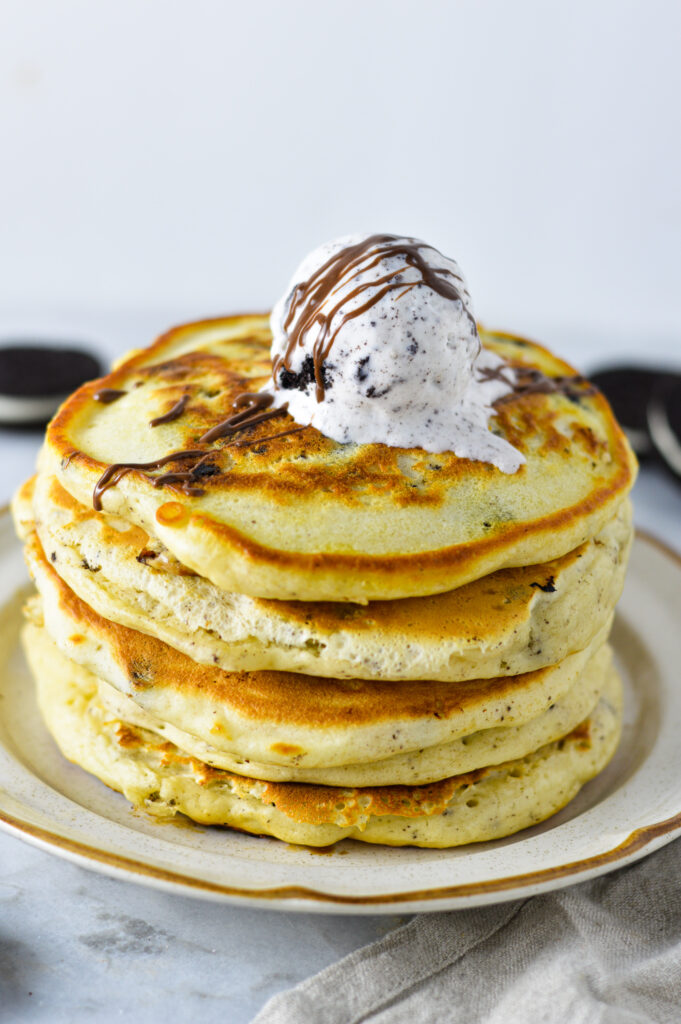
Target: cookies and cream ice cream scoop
[(375, 341)]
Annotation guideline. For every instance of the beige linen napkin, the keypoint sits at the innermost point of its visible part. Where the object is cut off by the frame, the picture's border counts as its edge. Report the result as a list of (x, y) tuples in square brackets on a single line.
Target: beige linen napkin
[(603, 952)]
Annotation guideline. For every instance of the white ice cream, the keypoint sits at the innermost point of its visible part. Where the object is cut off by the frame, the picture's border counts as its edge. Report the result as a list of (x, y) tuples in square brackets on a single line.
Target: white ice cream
[(406, 371)]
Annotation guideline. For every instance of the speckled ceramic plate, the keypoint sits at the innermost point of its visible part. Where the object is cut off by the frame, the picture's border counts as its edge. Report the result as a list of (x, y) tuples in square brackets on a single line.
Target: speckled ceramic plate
[(628, 811)]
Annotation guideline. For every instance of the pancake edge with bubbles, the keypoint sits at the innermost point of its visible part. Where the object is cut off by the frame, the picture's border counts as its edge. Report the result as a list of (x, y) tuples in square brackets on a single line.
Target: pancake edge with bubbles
[(286, 718), (508, 623), (302, 517), (157, 777)]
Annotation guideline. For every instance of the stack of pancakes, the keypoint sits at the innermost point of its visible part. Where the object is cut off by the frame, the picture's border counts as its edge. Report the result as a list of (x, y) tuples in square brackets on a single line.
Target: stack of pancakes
[(310, 640)]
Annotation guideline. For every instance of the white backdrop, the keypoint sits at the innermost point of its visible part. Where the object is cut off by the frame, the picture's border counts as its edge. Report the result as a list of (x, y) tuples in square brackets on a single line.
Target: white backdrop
[(165, 159)]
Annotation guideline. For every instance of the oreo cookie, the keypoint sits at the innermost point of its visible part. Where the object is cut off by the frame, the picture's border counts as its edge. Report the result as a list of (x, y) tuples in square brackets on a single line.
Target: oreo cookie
[(629, 389), (664, 421), (35, 378)]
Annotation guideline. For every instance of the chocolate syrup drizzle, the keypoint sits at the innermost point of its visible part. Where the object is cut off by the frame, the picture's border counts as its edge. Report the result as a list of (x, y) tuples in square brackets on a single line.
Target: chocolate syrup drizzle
[(172, 414), (528, 381), (108, 395), (188, 479), (112, 474), (252, 407), (270, 437), (307, 298)]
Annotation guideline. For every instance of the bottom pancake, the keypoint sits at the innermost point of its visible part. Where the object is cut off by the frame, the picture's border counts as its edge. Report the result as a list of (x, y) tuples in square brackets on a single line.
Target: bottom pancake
[(158, 777)]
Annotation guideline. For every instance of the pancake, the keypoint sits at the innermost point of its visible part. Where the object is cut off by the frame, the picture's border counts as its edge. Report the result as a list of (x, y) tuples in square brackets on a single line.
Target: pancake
[(479, 749), (299, 516), (514, 621), (158, 777), (287, 719)]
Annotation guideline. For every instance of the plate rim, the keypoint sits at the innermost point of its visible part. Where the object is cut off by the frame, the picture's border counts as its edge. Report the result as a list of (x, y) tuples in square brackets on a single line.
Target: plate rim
[(632, 848), (639, 843)]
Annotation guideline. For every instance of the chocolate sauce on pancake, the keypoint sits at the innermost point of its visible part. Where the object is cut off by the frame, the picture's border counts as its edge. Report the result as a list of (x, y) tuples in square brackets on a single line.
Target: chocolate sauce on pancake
[(108, 395), (117, 470), (251, 407), (527, 381), (172, 414), (270, 437)]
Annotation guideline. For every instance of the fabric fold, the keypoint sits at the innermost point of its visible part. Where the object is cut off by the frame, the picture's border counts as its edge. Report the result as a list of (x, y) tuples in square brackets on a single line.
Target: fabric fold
[(608, 951)]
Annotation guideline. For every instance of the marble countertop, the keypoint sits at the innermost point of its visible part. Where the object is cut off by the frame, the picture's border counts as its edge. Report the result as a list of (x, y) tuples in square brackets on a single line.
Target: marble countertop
[(77, 946)]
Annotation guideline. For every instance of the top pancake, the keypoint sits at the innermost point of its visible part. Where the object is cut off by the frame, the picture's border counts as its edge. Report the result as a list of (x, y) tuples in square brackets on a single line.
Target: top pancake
[(303, 517)]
